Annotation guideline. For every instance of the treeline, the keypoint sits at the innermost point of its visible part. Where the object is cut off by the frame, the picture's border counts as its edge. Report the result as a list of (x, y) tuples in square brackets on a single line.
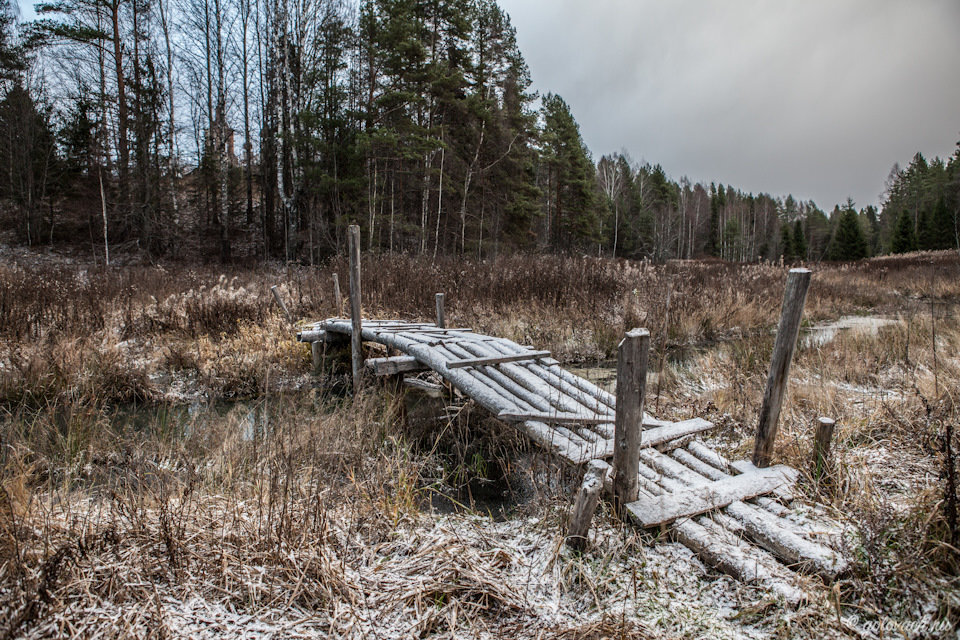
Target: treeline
[(262, 128)]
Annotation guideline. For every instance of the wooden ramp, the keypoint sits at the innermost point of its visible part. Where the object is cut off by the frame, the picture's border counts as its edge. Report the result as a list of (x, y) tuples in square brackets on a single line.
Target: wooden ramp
[(562, 412), (734, 516)]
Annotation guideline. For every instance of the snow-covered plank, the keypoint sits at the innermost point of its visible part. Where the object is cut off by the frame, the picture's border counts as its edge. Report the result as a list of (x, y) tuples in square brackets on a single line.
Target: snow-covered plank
[(672, 431), (479, 362), (715, 495), (553, 418)]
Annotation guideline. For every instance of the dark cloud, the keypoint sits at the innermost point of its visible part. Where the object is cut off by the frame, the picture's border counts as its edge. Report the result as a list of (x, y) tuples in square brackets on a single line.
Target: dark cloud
[(814, 98)]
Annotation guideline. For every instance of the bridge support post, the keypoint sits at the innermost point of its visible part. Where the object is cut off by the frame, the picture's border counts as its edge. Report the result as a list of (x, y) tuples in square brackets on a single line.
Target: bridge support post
[(632, 355), (356, 343), (440, 319), (794, 296)]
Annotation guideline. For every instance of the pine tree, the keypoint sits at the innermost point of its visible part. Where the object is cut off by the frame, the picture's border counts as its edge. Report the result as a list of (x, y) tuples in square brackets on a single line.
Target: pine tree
[(942, 226), (903, 239), (926, 237)]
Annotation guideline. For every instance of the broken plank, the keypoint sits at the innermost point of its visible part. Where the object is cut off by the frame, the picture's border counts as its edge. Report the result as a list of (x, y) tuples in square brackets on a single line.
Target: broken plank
[(393, 365), (430, 389), (696, 500), (479, 362), (554, 418)]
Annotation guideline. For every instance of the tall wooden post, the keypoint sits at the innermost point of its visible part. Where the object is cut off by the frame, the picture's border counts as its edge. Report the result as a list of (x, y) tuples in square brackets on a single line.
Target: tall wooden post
[(631, 389), (337, 298), (440, 319), (821, 446), (353, 235), (794, 296)]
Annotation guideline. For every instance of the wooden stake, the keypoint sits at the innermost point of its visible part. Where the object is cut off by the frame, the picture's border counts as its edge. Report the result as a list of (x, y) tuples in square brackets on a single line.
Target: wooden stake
[(276, 296), (353, 235), (585, 504), (337, 298), (316, 353), (631, 389), (794, 297), (440, 320), (821, 446)]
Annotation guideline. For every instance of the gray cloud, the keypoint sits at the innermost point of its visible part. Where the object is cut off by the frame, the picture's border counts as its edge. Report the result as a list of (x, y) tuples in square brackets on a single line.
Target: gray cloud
[(814, 98)]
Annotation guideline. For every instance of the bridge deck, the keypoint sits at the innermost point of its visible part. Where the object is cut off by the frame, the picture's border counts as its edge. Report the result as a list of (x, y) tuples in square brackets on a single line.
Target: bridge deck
[(562, 412)]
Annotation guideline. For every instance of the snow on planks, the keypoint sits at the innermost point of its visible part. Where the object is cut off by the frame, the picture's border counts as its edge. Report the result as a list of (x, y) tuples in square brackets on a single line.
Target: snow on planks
[(560, 411)]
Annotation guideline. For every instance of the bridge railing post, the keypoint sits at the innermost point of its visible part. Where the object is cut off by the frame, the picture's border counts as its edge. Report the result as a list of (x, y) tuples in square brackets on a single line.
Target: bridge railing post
[(632, 355), (356, 342), (794, 296)]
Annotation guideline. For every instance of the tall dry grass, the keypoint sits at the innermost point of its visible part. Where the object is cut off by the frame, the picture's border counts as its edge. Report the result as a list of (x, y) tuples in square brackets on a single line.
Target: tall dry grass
[(317, 511)]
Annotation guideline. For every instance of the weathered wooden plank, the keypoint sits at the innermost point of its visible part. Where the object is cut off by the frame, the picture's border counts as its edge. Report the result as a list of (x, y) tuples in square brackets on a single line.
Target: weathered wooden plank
[(319, 335), (784, 492), (718, 494), (480, 362), (553, 418), (393, 365)]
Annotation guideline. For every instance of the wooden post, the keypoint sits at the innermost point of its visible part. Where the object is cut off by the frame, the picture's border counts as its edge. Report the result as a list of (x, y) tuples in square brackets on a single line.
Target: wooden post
[(794, 296), (440, 320), (316, 353), (631, 390), (821, 446), (353, 235), (276, 296), (585, 504), (337, 298)]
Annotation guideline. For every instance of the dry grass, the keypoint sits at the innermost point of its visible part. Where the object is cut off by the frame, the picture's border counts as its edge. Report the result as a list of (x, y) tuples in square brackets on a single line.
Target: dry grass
[(298, 513)]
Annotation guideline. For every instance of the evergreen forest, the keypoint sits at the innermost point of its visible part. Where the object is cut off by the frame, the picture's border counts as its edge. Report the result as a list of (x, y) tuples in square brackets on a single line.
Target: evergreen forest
[(259, 129)]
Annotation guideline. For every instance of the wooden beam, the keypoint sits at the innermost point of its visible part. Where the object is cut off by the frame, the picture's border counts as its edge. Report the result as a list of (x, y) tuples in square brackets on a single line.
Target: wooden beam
[(798, 281), (553, 418), (632, 354), (393, 365), (653, 511), (427, 388), (353, 236), (480, 362)]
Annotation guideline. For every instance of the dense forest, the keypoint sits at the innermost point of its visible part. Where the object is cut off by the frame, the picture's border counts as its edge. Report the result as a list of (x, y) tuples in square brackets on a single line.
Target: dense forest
[(235, 129)]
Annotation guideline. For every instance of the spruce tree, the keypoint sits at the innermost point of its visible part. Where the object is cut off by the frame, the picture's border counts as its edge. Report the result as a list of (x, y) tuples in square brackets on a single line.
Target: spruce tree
[(903, 239), (926, 236), (942, 226), (786, 243), (848, 241), (799, 241)]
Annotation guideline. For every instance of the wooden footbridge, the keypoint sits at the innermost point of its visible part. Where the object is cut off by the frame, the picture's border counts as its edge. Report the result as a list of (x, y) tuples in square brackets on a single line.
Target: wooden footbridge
[(736, 516)]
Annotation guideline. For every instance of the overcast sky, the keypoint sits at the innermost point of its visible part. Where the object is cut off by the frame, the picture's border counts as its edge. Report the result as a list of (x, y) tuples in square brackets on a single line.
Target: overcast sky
[(816, 98)]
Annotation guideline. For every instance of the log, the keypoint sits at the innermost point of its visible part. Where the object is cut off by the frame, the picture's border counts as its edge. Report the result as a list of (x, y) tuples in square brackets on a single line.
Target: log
[(430, 389), (798, 281), (632, 356), (356, 332), (337, 298), (482, 362), (585, 505), (718, 494), (553, 418), (319, 335), (821, 447), (440, 319), (673, 430), (276, 296), (393, 365)]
